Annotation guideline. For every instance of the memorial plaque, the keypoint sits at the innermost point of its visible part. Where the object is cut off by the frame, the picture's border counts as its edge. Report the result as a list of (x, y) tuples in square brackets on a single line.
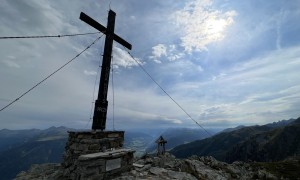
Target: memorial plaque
[(113, 164)]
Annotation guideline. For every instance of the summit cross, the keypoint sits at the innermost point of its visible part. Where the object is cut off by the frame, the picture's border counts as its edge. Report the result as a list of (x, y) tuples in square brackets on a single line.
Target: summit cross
[(100, 111)]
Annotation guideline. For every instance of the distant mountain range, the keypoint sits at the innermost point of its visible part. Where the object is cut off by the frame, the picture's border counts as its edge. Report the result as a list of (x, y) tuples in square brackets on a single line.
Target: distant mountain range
[(22, 148), (270, 142), (10, 139)]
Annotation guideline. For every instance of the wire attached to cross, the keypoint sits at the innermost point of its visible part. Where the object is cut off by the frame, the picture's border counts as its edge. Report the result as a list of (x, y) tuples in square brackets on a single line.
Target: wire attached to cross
[(145, 71), (47, 36), (50, 74)]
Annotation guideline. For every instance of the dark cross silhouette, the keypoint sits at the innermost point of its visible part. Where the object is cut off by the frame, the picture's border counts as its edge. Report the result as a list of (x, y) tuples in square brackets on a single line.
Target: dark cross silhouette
[(161, 143), (100, 111)]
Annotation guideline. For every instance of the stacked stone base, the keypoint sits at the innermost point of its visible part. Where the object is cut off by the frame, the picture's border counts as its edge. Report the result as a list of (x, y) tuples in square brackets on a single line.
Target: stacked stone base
[(104, 165), (96, 155)]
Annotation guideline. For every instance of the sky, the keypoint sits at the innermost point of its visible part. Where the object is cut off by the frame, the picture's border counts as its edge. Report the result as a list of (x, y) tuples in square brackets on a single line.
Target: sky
[(225, 62)]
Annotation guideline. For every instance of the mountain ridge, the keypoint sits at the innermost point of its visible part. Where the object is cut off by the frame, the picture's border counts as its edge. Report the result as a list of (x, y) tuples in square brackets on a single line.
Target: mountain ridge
[(274, 145), (220, 145)]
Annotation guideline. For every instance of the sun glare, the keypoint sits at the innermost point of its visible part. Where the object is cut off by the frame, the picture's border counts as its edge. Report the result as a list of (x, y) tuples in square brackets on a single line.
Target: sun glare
[(215, 28)]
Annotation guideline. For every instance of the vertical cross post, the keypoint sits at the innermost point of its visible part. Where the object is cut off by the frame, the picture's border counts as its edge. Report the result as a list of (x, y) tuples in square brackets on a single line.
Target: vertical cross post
[(100, 111), (101, 104)]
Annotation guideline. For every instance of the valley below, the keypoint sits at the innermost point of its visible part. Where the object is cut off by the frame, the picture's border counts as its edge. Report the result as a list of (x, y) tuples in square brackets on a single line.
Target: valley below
[(273, 148)]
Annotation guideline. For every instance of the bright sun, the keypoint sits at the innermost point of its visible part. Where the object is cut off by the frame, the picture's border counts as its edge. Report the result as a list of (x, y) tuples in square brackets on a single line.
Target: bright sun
[(215, 28)]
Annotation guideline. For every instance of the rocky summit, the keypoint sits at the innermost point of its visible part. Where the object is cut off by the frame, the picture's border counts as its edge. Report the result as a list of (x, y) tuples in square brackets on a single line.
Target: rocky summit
[(166, 167)]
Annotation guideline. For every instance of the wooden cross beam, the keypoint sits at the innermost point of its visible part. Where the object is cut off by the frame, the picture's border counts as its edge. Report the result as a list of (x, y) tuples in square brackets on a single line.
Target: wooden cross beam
[(102, 29), (100, 111)]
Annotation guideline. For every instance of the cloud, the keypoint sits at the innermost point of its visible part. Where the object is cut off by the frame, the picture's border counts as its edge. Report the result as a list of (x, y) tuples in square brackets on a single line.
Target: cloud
[(38, 58), (90, 73), (142, 106), (157, 61), (219, 76), (142, 117), (122, 59), (169, 52), (158, 51), (215, 112), (132, 17), (240, 80), (201, 24), (279, 20), (173, 53), (259, 90), (11, 63)]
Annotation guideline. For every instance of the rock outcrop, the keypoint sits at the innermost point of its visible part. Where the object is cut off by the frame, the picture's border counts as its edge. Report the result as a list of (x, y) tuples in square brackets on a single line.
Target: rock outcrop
[(166, 167)]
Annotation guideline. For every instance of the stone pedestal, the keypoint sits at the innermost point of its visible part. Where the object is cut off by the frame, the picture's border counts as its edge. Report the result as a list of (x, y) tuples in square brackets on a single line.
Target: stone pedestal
[(96, 154), (104, 165)]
